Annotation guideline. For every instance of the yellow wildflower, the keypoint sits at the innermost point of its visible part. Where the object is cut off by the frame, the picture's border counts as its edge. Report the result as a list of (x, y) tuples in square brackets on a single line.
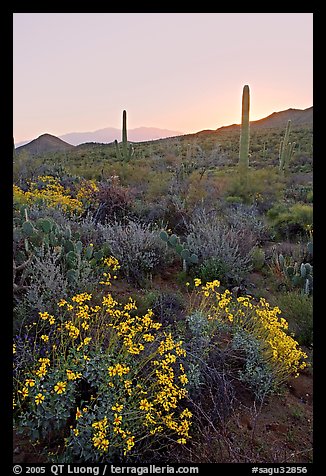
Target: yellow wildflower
[(60, 387), (39, 398)]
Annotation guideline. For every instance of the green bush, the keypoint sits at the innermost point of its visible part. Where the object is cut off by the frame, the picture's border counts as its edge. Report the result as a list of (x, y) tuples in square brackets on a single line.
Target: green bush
[(214, 268), (298, 310), (226, 248), (257, 258), (264, 185), (290, 222)]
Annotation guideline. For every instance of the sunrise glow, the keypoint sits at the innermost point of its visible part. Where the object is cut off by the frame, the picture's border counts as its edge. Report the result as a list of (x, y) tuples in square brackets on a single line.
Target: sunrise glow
[(181, 71)]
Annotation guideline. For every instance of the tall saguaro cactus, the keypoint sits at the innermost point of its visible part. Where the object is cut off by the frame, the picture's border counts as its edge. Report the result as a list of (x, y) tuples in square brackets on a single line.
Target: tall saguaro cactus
[(245, 133), (127, 150), (286, 149), (124, 127)]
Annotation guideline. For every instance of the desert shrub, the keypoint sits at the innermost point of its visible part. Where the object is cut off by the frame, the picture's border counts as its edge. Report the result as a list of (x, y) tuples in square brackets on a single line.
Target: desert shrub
[(138, 247), (149, 212), (27, 168), (257, 258), (158, 186), (233, 199), (102, 383), (255, 372), (111, 201), (47, 282), (167, 306), (248, 221), (210, 237), (50, 277), (215, 268), (208, 368), (291, 222), (269, 355), (263, 186), (198, 346), (47, 191), (203, 189), (298, 309)]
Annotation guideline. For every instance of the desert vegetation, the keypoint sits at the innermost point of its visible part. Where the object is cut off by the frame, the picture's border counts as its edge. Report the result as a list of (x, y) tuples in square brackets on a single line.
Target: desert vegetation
[(163, 299)]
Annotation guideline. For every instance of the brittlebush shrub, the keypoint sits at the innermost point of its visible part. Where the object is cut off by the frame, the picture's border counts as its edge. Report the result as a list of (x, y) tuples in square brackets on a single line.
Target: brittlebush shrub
[(279, 353), (47, 191), (103, 382)]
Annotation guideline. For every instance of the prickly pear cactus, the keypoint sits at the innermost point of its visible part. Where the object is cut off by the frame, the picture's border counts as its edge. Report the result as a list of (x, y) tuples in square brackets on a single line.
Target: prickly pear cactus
[(173, 241)]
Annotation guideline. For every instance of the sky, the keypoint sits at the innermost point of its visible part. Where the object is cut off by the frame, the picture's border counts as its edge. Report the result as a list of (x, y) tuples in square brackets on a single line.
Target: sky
[(76, 72)]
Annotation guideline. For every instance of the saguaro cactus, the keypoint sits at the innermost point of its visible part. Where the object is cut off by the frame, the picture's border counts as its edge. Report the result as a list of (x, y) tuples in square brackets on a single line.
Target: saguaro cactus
[(127, 150), (245, 132), (286, 149)]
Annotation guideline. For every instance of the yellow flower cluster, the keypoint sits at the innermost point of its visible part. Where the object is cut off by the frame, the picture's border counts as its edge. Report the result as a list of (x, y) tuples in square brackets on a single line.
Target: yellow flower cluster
[(100, 440), (113, 264), (46, 316), (42, 371), (80, 298), (144, 372), (86, 191), (18, 195), (73, 330), (72, 375), (136, 330), (51, 193), (118, 369), (280, 350)]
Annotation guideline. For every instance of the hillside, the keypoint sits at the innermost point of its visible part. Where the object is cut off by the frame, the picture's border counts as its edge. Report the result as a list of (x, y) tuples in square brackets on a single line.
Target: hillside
[(276, 119), (194, 245), (44, 143), (49, 143)]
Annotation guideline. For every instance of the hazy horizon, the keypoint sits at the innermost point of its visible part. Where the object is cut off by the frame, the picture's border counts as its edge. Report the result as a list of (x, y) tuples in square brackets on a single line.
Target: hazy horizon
[(76, 72), (117, 136)]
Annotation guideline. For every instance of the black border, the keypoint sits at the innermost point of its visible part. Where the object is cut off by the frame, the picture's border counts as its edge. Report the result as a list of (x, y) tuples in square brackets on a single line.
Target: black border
[(6, 240)]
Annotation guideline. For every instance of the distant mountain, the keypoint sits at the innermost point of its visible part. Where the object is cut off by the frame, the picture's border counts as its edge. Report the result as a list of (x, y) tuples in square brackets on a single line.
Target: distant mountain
[(109, 134), (276, 119), (48, 142), (280, 119), (44, 143)]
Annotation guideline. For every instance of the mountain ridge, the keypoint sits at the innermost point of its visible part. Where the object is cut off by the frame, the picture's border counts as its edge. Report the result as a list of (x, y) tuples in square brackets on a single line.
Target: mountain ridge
[(44, 143), (110, 134), (47, 142)]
